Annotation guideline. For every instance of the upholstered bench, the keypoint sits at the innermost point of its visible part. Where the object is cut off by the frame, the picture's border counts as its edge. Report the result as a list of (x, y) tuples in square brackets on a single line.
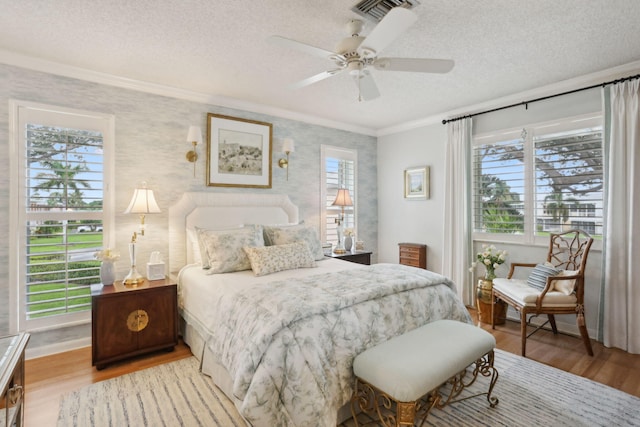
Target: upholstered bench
[(402, 379)]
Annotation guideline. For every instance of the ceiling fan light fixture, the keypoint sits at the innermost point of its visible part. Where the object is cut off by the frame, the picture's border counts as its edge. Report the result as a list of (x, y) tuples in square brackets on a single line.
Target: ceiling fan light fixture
[(354, 68)]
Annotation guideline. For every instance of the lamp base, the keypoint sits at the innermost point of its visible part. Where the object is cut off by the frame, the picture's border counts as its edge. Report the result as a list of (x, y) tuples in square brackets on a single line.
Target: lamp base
[(339, 249), (133, 278)]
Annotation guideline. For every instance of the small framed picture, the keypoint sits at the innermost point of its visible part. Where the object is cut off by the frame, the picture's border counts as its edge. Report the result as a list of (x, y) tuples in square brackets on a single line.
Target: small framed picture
[(238, 152), (416, 183)]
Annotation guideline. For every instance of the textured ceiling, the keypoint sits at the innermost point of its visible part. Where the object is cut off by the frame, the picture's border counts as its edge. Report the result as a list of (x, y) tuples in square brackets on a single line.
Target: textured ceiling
[(501, 47)]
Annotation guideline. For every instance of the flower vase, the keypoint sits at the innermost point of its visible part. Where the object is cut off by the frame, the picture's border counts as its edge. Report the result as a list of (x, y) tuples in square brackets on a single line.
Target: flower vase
[(483, 304), (348, 243), (107, 272)]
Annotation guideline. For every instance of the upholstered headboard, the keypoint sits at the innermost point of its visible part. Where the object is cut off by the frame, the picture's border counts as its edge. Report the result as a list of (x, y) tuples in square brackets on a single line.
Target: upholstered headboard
[(215, 210)]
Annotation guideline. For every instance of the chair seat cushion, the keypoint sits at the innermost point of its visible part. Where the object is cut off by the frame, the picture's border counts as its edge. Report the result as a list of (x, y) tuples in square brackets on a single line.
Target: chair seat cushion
[(519, 291)]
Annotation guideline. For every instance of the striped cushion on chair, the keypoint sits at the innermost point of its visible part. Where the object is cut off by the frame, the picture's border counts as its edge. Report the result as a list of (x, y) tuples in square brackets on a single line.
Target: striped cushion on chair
[(538, 277)]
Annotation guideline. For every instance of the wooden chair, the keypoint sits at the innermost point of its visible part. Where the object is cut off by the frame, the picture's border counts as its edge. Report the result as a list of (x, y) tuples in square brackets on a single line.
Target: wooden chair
[(561, 293)]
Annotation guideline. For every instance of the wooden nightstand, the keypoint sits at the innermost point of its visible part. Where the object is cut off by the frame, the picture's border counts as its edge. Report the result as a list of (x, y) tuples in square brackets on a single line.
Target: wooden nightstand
[(413, 254), (129, 321), (359, 257)]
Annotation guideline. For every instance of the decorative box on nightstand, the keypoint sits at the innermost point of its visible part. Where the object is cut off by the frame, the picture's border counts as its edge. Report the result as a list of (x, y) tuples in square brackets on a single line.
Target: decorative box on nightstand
[(129, 321)]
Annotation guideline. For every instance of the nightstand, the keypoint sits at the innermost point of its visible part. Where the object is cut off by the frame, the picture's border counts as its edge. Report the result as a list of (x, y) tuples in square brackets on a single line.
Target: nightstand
[(129, 321), (359, 257)]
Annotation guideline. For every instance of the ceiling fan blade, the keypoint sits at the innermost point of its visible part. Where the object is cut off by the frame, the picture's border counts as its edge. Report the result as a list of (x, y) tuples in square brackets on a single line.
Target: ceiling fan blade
[(299, 46), (397, 21), (314, 79), (366, 86), (416, 65)]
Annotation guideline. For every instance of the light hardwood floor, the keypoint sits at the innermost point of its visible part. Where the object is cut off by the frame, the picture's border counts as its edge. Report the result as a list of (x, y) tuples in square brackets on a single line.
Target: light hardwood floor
[(47, 378)]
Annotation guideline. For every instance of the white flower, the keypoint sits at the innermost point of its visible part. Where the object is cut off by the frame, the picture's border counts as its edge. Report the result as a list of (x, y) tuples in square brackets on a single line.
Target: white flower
[(490, 257), (107, 255)]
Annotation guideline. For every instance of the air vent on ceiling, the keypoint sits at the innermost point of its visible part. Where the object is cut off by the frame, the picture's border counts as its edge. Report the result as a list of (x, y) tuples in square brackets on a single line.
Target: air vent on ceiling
[(377, 9)]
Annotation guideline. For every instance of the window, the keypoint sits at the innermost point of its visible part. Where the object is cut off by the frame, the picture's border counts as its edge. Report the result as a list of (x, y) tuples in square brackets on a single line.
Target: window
[(539, 179), (338, 166), (60, 175)]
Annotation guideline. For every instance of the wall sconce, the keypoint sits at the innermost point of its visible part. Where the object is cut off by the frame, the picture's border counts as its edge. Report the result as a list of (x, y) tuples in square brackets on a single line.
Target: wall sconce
[(143, 202), (194, 137), (342, 199), (287, 147)]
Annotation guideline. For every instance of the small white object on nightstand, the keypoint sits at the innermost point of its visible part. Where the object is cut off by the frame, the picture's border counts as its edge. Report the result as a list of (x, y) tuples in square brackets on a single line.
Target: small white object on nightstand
[(155, 267)]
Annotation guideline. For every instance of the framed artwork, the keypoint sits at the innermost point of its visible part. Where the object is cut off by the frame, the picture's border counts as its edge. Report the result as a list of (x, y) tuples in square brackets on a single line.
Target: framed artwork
[(416, 183), (238, 152)]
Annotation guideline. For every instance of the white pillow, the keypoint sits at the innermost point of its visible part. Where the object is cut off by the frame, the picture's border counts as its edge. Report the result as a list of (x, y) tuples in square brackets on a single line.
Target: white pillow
[(565, 286), (295, 233), (224, 248), (271, 259)]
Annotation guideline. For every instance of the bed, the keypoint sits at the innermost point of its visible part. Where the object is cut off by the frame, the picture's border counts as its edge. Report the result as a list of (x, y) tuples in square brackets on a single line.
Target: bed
[(279, 337)]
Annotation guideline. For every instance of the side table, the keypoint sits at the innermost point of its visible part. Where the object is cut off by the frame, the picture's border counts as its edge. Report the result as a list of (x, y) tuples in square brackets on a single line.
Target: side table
[(359, 257), (12, 378)]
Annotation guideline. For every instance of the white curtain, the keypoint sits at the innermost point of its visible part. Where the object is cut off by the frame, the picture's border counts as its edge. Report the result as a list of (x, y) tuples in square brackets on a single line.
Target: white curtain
[(457, 209), (622, 243)]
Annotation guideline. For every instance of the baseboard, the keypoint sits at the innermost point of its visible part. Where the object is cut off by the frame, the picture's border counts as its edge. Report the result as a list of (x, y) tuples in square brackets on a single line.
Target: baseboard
[(48, 350)]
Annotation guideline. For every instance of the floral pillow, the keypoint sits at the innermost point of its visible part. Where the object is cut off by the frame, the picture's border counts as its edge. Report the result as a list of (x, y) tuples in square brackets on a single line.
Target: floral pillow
[(223, 248), (295, 233), (271, 259), (198, 250)]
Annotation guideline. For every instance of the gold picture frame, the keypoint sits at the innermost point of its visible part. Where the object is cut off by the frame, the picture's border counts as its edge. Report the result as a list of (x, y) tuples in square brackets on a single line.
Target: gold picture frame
[(238, 152), (416, 183)]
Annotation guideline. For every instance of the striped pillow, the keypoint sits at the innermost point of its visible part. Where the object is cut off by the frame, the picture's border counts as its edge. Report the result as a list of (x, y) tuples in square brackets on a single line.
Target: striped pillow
[(538, 277)]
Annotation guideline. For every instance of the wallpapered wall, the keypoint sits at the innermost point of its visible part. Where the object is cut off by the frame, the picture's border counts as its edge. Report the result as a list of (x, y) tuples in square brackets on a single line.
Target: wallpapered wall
[(150, 139)]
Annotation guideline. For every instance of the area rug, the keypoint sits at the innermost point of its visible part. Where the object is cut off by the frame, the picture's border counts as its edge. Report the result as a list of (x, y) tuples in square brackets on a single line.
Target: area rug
[(176, 394)]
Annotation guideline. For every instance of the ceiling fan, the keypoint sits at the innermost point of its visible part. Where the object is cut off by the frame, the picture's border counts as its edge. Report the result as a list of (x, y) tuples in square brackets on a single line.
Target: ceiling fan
[(358, 55)]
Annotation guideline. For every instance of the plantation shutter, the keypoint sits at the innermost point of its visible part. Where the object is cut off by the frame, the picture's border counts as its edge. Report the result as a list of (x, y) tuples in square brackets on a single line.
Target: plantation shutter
[(61, 195), (339, 171), (569, 180), (499, 181), (541, 179)]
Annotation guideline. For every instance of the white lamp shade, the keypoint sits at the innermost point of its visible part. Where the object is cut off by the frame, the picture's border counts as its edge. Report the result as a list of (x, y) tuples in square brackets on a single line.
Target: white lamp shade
[(343, 198), (288, 146), (195, 134), (143, 202)]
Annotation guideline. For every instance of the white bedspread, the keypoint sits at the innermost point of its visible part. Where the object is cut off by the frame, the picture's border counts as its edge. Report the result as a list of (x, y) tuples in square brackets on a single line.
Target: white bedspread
[(289, 345)]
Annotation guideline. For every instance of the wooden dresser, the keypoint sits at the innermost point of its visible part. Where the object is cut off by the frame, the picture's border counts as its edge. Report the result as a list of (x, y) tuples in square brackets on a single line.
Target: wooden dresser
[(413, 254)]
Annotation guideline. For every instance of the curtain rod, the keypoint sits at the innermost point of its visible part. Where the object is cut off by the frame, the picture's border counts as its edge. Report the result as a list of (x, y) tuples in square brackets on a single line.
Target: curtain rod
[(526, 103)]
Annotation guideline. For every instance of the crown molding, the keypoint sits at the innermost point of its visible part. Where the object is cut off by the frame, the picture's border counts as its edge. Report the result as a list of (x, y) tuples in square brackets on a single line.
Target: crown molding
[(52, 67), (521, 97)]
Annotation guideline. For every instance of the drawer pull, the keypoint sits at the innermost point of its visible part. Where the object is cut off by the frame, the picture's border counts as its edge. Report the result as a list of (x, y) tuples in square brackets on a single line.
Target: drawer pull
[(15, 394)]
